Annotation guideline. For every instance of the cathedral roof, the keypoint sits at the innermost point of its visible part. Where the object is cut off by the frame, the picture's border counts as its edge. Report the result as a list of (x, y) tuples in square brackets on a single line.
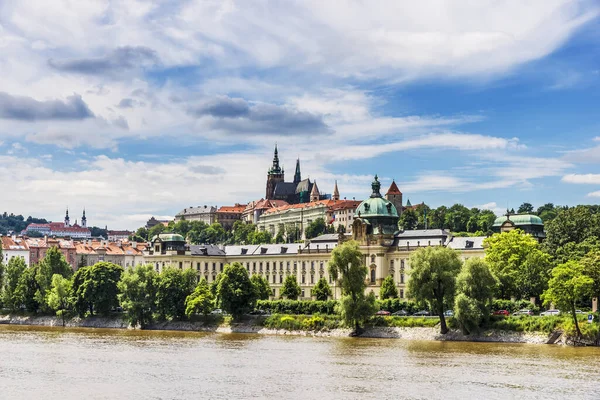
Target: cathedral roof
[(393, 189), (303, 186)]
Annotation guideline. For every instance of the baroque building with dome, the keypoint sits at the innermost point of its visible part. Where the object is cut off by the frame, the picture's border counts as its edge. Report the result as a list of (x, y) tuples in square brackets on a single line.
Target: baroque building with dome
[(386, 251)]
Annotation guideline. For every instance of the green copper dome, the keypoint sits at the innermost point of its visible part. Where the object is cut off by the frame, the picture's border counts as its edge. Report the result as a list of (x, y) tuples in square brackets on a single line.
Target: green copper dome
[(376, 206), (170, 237), (519, 219)]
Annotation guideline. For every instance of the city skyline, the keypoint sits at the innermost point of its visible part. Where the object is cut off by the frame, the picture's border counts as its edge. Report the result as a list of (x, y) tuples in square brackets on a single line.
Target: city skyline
[(138, 110)]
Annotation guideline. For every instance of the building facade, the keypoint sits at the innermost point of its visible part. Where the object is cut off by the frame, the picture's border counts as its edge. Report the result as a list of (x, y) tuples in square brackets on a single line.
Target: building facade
[(227, 215), (531, 224), (14, 246), (206, 214)]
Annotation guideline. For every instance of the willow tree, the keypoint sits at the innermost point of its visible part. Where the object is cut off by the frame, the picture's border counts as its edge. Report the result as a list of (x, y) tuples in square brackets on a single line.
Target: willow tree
[(433, 279), (347, 267)]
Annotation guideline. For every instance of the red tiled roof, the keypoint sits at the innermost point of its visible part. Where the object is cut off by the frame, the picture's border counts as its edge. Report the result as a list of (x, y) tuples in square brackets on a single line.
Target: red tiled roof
[(393, 189), (18, 244), (238, 208)]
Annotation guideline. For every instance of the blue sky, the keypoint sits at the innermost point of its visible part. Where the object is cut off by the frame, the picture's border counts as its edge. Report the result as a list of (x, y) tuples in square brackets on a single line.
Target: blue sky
[(134, 108)]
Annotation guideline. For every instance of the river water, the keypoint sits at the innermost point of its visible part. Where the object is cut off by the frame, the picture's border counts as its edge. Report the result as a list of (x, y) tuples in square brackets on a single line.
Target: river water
[(56, 363)]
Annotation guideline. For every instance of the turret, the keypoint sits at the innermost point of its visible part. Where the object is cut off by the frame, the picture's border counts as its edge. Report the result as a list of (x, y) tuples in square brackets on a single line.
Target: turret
[(314, 193), (394, 195), (274, 176), (67, 219), (336, 192), (83, 220), (297, 175)]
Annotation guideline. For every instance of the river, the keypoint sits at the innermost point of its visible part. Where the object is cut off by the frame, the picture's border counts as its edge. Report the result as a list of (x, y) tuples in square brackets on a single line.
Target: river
[(55, 363)]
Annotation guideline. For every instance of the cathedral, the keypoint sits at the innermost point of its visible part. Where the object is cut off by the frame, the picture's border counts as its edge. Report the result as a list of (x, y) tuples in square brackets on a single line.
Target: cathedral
[(296, 192)]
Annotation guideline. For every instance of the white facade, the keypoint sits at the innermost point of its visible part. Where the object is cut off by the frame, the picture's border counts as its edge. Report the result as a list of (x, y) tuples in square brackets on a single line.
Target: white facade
[(14, 247)]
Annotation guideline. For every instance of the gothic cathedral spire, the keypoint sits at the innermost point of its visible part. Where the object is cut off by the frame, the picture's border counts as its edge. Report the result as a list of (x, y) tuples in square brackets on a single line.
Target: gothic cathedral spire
[(336, 192), (297, 175), (83, 220)]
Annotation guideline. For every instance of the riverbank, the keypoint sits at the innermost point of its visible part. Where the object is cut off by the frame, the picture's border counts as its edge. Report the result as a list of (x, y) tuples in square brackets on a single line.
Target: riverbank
[(254, 325)]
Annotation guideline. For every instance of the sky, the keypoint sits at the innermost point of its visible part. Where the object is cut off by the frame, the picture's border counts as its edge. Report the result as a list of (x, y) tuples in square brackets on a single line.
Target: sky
[(135, 109)]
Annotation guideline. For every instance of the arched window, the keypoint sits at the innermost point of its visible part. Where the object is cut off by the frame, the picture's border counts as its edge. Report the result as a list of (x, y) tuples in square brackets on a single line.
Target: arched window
[(373, 258), (373, 275)]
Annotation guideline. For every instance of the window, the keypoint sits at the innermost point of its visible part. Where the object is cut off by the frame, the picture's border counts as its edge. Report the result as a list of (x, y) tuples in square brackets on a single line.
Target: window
[(221, 267), (197, 266), (402, 278), (401, 293), (402, 264), (312, 279), (214, 266), (280, 278), (303, 279), (205, 266), (373, 275), (274, 280), (180, 265), (373, 258), (273, 291)]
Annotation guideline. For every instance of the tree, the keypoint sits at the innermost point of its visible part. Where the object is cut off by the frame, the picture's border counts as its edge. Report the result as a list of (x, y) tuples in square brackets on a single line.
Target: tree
[(525, 208), (433, 278), (315, 228), (571, 225), (173, 288), (2, 268), (15, 268), (347, 267), (438, 217), (388, 289), (261, 237), (567, 285), (137, 294), (235, 291), (54, 262), (290, 288), (518, 263), (475, 286), (408, 220), (59, 296), (27, 292), (321, 290), (547, 212), (261, 287), (95, 288), (457, 217), (200, 301)]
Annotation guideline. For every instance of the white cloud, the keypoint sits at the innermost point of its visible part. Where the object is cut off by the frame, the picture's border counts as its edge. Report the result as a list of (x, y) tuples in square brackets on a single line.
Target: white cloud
[(594, 194), (590, 179)]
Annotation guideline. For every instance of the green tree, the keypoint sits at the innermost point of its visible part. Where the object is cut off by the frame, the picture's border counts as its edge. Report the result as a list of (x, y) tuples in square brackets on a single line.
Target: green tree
[(95, 288), (137, 294), (261, 237), (457, 218), (486, 220), (475, 285), (516, 260), (59, 295), (200, 301), (315, 228), (261, 287), (547, 212), (433, 278), (27, 292), (54, 262), (322, 290), (15, 268), (235, 291), (173, 288), (408, 220), (156, 230), (347, 267), (525, 208), (567, 285), (290, 288), (572, 225), (388, 289), (438, 218)]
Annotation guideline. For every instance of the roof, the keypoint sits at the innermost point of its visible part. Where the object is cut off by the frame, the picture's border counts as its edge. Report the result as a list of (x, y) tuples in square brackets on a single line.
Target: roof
[(328, 237), (303, 186), (320, 203), (262, 249), (268, 204), (519, 219), (8, 243), (169, 237), (197, 210), (422, 237), (393, 189), (467, 243), (121, 233), (207, 250), (422, 233), (344, 204), (377, 207), (284, 189), (238, 208)]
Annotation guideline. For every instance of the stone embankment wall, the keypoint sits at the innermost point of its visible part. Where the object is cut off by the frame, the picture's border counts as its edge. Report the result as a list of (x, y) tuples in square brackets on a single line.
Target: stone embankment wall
[(253, 327)]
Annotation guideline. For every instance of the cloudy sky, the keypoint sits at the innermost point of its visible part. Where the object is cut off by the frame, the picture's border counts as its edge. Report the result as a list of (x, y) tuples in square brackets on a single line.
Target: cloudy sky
[(137, 108)]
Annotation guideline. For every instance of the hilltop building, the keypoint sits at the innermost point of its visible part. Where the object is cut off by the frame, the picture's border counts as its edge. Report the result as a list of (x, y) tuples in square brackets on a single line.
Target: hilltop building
[(206, 214), (62, 229), (531, 224)]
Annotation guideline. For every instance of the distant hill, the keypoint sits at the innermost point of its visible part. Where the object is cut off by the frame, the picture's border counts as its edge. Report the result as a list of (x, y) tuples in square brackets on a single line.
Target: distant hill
[(16, 223)]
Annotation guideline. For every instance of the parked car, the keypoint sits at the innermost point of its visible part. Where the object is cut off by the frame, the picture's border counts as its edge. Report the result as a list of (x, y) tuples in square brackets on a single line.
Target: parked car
[(523, 312), (501, 312), (550, 312), (383, 312), (448, 313), (421, 313), (259, 312), (579, 312), (217, 311), (400, 313)]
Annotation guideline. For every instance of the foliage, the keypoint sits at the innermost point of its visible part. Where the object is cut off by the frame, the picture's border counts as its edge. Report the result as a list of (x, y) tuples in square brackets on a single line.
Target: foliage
[(402, 322), (568, 283), (261, 287), (301, 322), (393, 305), (433, 278), (27, 292), (59, 295), (137, 294), (54, 262), (591, 267), (173, 288), (525, 208), (476, 281), (513, 306), (307, 307), (388, 288), (235, 290), (15, 268), (95, 288), (200, 301), (321, 291), (316, 228), (346, 266), (16, 223), (572, 225), (408, 220), (290, 289), (518, 263), (467, 312)]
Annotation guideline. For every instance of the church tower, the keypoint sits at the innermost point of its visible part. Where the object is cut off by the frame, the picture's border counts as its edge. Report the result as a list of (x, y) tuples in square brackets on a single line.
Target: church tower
[(297, 175), (314, 193), (274, 176), (83, 220), (67, 219), (394, 196), (336, 193)]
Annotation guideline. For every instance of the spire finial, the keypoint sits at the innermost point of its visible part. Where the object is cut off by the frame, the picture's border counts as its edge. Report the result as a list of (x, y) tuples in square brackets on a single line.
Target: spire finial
[(376, 186)]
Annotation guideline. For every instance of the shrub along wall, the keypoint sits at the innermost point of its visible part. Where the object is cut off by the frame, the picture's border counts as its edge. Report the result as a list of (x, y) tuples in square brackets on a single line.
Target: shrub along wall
[(306, 307)]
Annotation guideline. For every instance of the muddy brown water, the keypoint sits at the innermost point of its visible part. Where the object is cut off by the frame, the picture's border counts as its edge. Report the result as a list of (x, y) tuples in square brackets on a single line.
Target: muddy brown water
[(57, 363)]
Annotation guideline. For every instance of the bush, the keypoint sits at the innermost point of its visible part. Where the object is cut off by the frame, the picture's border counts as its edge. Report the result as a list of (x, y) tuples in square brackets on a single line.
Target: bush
[(302, 322), (315, 323), (402, 322), (393, 305), (467, 313), (307, 307), (512, 306)]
